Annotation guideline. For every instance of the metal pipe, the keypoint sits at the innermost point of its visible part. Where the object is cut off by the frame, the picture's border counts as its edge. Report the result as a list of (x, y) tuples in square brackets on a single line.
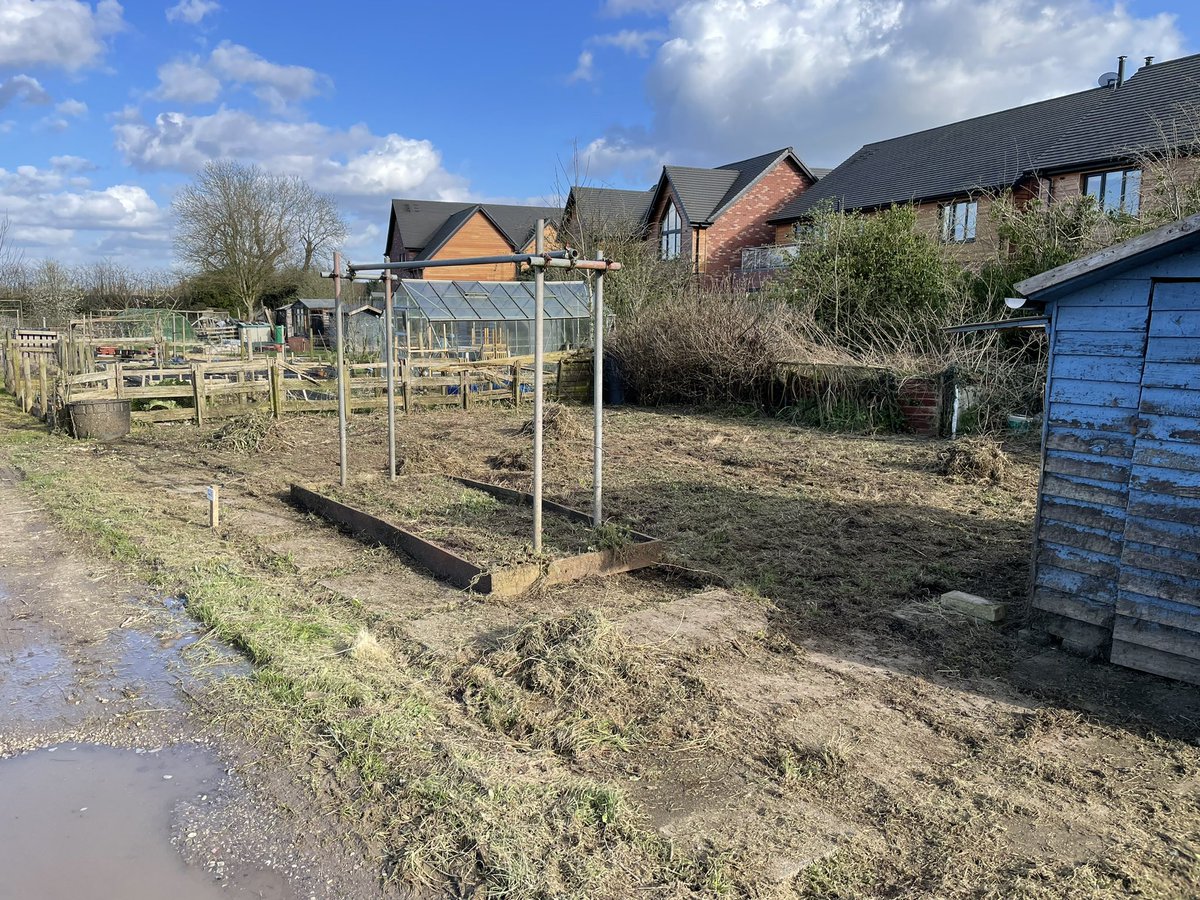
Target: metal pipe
[(447, 263), (598, 401), (589, 264), (539, 376), (389, 328), (341, 364)]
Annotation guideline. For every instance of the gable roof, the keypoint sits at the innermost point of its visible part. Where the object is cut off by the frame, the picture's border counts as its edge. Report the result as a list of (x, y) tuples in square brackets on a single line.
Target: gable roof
[(707, 193), (996, 150), (600, 207), (426, 225)]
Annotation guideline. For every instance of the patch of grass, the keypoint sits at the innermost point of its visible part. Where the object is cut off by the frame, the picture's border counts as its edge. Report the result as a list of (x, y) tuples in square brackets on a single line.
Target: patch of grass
[(806, 762)]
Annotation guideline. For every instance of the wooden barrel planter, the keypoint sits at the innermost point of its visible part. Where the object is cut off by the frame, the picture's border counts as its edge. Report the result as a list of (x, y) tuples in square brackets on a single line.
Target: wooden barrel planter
[(99, 420)]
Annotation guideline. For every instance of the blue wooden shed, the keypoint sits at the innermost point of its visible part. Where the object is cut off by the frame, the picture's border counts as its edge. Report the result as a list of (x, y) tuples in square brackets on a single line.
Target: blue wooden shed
[(1116, 568)]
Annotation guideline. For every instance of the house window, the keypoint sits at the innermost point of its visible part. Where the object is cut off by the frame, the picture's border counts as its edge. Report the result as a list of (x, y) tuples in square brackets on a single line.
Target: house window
[(1115, 192), (671, 233), (958, 221)]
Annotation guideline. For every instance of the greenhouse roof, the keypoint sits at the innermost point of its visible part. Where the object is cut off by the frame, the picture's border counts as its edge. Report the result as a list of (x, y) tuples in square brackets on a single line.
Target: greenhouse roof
[(450, 301)]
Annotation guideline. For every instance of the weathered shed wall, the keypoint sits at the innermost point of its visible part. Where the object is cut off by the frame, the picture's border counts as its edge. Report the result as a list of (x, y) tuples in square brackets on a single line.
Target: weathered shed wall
[(1117, 564)]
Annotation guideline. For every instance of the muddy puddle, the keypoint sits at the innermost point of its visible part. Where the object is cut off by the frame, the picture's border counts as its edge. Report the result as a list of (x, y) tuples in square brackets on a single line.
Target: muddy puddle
[(96, 823)]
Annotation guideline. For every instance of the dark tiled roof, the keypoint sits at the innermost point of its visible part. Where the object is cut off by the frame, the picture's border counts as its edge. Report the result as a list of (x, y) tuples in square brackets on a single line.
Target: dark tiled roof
[(1129, 119), (426, 224), (700, 191), (592, 207), (995, 150), (819, 171)]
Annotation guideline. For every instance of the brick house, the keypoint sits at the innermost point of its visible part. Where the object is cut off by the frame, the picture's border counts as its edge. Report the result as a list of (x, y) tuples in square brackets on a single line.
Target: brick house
[(433, 229), (1089, 142), (710, 217)]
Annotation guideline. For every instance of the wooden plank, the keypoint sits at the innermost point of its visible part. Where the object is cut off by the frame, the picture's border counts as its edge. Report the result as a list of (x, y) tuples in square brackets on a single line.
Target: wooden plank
[(1184, 510), (1098, 590), (1168, 454), (1156, 662), (1172, 375), (1101, 343), (1165, 481), (1174, 350), (1077, 317), (1105, 542), (1168, 561), (178, 414), (438, 560), (1094, 393), (1175, 323), (1092, 418), (1074, 559), (1170, 402), (1072, 607), (1086, 514), (1169, 535), (1160, 427), (1158, 584), (1125, 369), (1073, 488), (1177, 295), (1163, 612), (1081, 441), (1081, 466)]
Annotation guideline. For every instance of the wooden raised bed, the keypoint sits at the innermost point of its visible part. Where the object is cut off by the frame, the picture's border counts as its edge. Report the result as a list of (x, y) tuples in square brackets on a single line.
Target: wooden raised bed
[(506, 580)]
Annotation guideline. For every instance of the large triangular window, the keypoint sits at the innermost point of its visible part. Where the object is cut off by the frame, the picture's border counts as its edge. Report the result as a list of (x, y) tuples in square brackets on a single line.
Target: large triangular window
[(670, 233)]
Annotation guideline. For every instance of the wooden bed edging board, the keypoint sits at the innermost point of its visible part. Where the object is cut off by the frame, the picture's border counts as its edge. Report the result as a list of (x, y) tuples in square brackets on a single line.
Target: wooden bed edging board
[(504, 581)]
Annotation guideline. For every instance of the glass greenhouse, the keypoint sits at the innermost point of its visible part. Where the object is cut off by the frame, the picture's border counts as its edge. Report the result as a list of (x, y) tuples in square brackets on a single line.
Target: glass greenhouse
[(488, 319)]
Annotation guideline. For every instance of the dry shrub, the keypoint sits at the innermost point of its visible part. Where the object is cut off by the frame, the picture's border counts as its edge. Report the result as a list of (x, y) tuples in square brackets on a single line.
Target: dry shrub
[(242, 433), (578, 657), (711, 347), (974, 459), (365, 649), (558, 424)]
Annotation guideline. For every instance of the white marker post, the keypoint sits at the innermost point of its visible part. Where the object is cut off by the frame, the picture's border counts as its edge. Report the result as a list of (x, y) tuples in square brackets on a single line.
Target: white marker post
[(539, 377), (214, 506)]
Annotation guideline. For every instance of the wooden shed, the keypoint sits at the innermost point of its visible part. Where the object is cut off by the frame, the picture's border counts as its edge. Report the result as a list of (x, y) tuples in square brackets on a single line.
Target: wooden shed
[(1116, 568)]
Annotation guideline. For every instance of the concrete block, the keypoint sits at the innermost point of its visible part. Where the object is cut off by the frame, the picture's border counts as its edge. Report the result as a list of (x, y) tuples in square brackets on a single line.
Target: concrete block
[(976, 607)]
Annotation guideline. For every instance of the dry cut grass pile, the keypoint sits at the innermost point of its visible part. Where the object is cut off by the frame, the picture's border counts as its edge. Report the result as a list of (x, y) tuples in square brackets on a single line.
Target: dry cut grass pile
[(974, 459)]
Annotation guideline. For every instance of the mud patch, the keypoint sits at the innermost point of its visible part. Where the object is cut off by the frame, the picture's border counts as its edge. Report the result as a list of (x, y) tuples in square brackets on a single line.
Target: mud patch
[(77, 819)]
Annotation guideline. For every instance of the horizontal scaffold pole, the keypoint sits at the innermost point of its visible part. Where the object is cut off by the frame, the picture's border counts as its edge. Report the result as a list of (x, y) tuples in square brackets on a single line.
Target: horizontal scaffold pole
[(564, 255)]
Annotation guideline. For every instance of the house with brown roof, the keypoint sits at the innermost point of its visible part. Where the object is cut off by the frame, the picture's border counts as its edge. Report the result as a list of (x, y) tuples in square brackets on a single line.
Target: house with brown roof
[(708, 216), (434, 229), (1092, 142)]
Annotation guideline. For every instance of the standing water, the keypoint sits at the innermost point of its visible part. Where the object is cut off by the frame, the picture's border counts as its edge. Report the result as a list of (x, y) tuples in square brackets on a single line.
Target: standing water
[(95, 823)]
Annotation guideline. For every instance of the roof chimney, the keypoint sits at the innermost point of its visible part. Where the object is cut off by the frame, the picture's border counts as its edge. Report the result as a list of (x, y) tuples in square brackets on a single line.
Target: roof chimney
[(1120, 72), (1149, 62)]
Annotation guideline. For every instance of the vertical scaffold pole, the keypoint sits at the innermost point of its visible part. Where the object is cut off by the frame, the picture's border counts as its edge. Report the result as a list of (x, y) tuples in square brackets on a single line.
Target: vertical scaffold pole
[(539, 375), (389, 328), (598, 400), (342, 387)]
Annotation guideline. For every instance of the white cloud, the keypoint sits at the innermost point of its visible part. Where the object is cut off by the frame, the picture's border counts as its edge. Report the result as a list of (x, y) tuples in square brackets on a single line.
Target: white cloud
[(276, 85), (65, 34), (187, 81), (629, 40), (632, 159), (583, 68), (191, 11), (72, 108), (738, 77), (361, 168), (647, 7), (22, 89)]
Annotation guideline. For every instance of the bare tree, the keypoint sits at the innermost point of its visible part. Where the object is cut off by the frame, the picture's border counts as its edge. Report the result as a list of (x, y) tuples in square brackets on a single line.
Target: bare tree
[(234, 220), (54, 294), (317, 223)]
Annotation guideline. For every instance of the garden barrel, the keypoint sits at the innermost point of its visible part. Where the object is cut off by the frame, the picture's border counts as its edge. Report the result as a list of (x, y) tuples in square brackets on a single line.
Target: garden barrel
[(100, 420)]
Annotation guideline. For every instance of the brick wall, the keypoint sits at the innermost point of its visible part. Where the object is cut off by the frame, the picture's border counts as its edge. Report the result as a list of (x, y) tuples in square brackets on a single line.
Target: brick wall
[(745, 223), (921, 405)]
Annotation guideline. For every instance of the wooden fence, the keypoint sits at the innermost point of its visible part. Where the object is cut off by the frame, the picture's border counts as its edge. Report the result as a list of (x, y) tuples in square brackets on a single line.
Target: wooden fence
[(203, 391)]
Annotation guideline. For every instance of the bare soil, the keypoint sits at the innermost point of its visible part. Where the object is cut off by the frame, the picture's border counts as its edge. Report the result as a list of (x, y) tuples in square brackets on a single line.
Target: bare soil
[(755, 722)]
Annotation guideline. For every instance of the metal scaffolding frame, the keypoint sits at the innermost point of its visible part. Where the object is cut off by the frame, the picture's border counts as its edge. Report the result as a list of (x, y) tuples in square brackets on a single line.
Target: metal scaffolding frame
[(540, 260)]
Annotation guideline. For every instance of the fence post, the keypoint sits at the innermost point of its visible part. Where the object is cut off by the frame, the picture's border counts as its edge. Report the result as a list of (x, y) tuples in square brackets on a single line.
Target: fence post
[(44, 388), (198, 391), (516, 384), (406, 385), (462, 389), (119, 377), (277, 395), (26, 386)]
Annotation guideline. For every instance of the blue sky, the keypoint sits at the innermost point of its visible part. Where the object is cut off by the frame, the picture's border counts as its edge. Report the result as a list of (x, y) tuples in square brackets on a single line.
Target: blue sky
[(105, 109)]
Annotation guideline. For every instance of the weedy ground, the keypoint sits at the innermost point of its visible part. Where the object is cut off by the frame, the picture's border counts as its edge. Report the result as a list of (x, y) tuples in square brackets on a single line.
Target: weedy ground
[(798, 743)]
